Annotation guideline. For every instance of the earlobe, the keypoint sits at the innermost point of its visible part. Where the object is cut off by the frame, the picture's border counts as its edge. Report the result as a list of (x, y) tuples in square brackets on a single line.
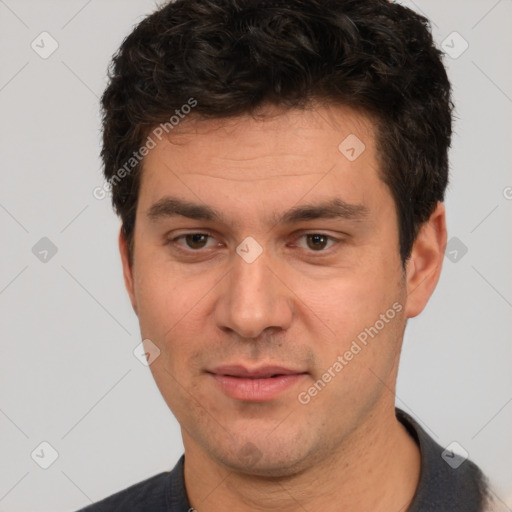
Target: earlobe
[(424, 266), (127, 268)]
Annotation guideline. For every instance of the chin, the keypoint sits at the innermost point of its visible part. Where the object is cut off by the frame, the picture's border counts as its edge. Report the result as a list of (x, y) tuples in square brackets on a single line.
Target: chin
[(266, 460), (267, 468)]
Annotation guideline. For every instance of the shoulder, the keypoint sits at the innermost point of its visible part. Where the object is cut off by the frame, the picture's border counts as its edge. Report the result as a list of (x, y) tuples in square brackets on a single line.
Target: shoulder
[(448, 481), (149, 494)]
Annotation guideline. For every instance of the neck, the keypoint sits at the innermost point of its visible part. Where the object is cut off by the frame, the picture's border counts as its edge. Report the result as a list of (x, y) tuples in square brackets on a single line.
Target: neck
[(376, 470)]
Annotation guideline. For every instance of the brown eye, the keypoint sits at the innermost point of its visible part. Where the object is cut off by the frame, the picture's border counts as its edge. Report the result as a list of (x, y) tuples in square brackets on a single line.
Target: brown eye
[(317, 242), (196, 240)]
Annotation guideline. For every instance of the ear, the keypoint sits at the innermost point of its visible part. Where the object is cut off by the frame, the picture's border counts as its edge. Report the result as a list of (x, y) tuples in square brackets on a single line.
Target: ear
[(127, 268), (424, 266)]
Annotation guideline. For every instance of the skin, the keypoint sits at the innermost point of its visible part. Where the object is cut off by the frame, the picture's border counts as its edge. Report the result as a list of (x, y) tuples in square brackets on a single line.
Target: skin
[(300, 305)]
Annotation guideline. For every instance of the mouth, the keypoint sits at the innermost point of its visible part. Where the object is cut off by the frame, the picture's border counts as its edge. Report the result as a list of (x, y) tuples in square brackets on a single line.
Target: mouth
[(255, 384)]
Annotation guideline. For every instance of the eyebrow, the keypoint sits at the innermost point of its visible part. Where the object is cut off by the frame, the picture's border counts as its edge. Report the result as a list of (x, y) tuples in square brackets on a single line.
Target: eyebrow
[(334, 208), (170, 207)]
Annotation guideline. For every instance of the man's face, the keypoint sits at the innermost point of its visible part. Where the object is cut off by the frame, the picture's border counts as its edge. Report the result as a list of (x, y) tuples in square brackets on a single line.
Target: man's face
[(243, 335)]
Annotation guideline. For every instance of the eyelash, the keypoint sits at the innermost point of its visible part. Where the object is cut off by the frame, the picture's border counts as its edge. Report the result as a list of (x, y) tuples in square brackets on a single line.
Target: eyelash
[(174, 241)]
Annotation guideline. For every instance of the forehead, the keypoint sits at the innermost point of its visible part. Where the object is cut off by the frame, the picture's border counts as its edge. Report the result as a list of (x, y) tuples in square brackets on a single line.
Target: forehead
[(276, 156), (271, 132)]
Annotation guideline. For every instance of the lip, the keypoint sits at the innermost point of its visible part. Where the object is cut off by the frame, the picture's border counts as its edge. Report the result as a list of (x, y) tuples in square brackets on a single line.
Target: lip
[(255, 384)]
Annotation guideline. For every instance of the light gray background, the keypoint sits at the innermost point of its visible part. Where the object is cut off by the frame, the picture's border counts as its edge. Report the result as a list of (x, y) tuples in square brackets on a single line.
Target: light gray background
[(67, 372)]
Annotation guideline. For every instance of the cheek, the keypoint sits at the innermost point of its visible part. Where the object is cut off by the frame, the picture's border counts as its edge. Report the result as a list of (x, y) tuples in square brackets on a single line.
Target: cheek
[(355, 299), (359, 318), (167, 302)]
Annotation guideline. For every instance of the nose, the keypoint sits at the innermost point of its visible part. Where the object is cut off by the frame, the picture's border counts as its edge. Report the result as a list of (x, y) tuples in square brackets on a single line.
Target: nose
[(253, 298)]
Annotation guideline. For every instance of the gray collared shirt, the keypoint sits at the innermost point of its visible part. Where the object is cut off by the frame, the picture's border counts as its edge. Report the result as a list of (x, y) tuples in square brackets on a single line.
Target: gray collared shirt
[(444, 485)]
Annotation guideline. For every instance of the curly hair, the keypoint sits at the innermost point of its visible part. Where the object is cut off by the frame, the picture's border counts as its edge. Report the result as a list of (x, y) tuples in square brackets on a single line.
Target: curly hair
[(230, 57)]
